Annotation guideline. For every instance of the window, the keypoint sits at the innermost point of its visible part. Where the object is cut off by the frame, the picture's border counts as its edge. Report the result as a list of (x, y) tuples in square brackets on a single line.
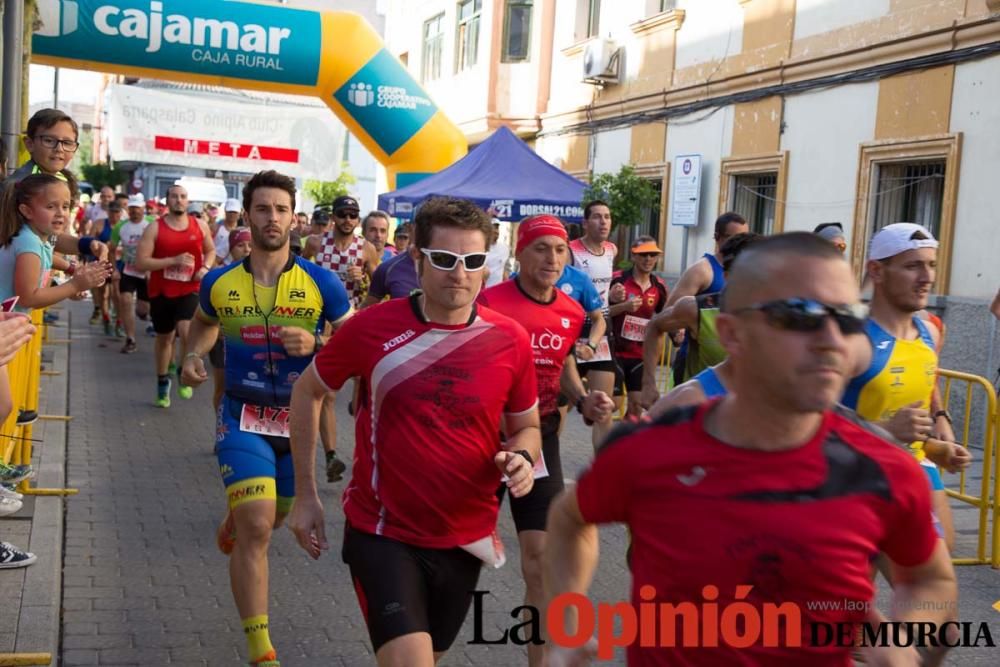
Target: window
[(754, 199), (467, 43), (908, 181), (654, 7), (517, 31), (430, 63), (593, 17), (754, 187)]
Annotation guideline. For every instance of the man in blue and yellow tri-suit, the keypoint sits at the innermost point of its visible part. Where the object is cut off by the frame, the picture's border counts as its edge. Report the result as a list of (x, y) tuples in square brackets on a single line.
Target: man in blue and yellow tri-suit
[(272, 308), (897, 389)]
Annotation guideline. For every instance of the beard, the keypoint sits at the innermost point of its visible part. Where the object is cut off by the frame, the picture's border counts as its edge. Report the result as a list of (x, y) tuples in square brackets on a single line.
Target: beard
[(266, 243)]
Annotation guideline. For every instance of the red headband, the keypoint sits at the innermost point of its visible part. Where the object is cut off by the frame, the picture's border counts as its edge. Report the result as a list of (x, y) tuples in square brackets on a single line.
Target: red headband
[(537, 226)]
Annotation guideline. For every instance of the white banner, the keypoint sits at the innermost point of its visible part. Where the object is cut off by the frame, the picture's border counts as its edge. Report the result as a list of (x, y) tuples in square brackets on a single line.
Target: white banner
[(165, 127)]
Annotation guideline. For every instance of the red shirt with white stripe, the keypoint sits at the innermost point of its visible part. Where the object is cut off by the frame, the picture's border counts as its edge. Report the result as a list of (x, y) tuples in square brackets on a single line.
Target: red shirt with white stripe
[(428, 423), (552, 327)]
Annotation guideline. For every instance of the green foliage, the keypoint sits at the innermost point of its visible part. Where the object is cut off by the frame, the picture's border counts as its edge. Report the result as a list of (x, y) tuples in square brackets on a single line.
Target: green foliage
[(103, 174), (630, 196), (324, 192)]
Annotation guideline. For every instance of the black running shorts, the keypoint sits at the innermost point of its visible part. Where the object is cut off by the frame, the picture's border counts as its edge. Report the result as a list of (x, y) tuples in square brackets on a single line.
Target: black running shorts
[(404, 589), (531, 511), (166, 312), (131, 284), (632, 369)]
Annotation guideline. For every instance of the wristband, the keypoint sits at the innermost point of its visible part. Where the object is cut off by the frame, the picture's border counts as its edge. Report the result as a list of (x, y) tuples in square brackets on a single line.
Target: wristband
[(593, 346), (191, 354), (526, 455), (945, 414), (319, 343)]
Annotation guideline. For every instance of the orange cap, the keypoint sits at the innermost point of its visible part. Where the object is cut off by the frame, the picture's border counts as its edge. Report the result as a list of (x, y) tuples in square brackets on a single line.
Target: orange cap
[(648, 246)]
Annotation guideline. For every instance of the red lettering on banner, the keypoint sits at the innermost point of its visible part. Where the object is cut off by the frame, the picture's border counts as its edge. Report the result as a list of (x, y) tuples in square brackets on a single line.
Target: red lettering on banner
[(225, 148)]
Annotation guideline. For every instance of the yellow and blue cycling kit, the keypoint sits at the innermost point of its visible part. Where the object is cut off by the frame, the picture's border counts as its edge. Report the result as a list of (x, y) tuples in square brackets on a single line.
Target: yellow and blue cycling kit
[(253, 450), (902, 372)]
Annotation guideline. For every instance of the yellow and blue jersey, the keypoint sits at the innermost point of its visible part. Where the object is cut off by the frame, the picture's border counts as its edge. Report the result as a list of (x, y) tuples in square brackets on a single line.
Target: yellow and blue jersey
[(258, 369), (901, 372)]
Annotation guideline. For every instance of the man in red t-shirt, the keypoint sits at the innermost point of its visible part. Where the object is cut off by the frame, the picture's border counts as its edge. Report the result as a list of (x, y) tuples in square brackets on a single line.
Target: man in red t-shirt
[(436, 375), (554, 322), (178, 251), (635, 297), (769, 496)]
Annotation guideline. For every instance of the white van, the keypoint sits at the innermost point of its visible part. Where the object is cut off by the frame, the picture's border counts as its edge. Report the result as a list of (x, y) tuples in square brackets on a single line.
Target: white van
[(204, 189)]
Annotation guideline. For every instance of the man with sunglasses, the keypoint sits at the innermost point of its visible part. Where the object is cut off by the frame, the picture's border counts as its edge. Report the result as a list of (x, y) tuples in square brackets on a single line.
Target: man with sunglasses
[(781, 496), (348, 255), (697, 316), (438, 374), (897, 389), (635, 297), (554, 322)]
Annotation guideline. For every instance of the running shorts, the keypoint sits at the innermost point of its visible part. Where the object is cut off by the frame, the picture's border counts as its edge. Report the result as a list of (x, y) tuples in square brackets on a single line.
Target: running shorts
[(531, 511), (253, 467), (166, 312), (632, 370), (131, 284), (404, 589)]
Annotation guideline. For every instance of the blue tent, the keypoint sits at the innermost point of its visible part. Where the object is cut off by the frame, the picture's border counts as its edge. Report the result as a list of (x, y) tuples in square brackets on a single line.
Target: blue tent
[(501, 173)]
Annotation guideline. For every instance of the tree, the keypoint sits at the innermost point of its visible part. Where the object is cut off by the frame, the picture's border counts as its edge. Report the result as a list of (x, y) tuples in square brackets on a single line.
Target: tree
[(630, 196), (103, 174), (324, 192)]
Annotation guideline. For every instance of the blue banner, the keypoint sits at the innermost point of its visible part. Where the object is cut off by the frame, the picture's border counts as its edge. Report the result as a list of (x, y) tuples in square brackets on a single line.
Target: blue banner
[(224, 39)]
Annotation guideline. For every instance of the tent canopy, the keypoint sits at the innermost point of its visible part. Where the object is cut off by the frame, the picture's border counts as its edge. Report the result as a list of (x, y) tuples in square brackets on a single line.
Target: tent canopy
[(502, 174)]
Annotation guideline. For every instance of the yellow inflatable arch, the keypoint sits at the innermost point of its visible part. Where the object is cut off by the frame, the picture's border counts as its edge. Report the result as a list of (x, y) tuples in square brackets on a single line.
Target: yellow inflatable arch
[(335, 56)]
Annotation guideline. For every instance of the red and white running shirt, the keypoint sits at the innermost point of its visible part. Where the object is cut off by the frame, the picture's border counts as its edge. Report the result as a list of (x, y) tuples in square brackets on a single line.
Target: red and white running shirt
[(428, 423), (552, 327), (600, 268)]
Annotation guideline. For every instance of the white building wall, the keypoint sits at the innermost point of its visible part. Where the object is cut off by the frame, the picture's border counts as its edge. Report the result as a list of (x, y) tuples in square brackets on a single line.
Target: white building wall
[(611, 150), (814, 17), (822, 133), (976, 113), (712, 30), (711, 137)]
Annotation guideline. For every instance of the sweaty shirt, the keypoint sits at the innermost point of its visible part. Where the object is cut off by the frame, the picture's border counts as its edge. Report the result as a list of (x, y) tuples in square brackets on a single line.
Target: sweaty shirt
[(800, 526), (552, 327), (428, 423), (258, 370)]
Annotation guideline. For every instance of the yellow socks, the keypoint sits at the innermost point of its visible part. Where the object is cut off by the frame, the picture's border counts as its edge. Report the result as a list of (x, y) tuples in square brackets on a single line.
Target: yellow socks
[(258, 639)]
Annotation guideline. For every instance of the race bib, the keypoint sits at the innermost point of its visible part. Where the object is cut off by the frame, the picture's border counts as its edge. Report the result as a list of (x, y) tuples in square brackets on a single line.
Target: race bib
[(634, 328), (264, 420), (181, 274), (603, 352), (539, 470), (489, 550)]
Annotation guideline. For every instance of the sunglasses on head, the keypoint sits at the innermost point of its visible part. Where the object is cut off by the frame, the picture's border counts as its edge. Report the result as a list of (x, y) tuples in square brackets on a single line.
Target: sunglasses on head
[(346, 215), (447, 261), (807, 315)]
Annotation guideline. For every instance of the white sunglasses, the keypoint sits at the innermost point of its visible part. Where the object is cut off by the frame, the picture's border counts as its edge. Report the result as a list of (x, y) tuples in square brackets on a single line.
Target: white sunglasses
[(444, 260)]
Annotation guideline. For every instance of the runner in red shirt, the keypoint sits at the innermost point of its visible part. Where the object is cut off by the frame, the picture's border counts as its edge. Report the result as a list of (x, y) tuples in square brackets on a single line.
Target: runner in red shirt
[(177, 250), (635, 296), (554, 322), (436, 374), (769, 495)]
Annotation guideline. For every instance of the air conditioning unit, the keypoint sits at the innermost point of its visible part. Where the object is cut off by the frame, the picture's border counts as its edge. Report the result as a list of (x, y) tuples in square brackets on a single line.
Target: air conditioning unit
[(601, 61)]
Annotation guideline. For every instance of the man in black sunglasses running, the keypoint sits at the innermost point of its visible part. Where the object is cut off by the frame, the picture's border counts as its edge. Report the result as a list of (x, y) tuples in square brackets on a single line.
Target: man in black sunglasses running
[(782, 497)]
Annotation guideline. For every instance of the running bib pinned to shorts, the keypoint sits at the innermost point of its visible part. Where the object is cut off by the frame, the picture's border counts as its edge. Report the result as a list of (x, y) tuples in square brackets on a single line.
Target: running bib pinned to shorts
[(489, 549), (264, 421), (181, 274), (634, 328), (602, 353)]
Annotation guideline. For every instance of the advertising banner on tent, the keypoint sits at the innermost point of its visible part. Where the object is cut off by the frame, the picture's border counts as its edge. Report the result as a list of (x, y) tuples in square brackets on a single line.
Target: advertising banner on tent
[(164, 127)]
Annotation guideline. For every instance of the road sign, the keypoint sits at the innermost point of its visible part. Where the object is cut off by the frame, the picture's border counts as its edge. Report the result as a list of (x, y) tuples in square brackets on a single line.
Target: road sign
[(686, 191)]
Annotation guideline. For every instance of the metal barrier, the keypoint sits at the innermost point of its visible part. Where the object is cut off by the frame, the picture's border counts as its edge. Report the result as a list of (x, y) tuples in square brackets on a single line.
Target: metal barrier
[(23, 375), (988, 500)]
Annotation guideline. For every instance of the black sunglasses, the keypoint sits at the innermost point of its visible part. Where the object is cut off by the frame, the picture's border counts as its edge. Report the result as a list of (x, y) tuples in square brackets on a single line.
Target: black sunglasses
[(346, 215), (647, 255), (807, 315)]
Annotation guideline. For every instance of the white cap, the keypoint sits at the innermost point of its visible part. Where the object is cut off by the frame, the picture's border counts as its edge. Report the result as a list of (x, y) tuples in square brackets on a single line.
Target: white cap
[(897, 238), (233, 205), (137, 200)]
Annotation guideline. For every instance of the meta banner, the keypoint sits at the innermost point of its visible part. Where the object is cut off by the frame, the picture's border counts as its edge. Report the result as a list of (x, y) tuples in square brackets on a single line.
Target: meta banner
[(217, 38), (183, 128)]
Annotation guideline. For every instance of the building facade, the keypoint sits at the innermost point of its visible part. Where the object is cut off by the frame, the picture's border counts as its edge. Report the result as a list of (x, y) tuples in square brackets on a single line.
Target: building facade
[(863, 112)]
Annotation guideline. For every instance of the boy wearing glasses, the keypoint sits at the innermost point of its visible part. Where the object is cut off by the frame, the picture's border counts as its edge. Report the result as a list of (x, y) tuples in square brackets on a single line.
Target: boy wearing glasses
[(438, 374)]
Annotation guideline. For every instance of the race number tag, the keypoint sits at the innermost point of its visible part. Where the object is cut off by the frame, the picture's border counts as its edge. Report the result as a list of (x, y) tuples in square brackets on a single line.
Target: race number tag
[(634, 328), (539, 470), (603, 352), (181, 274), (488, 549), (264, 420)]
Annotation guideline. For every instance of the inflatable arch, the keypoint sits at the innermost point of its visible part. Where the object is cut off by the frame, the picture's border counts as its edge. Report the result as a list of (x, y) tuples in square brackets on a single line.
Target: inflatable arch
[(335, 56)]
